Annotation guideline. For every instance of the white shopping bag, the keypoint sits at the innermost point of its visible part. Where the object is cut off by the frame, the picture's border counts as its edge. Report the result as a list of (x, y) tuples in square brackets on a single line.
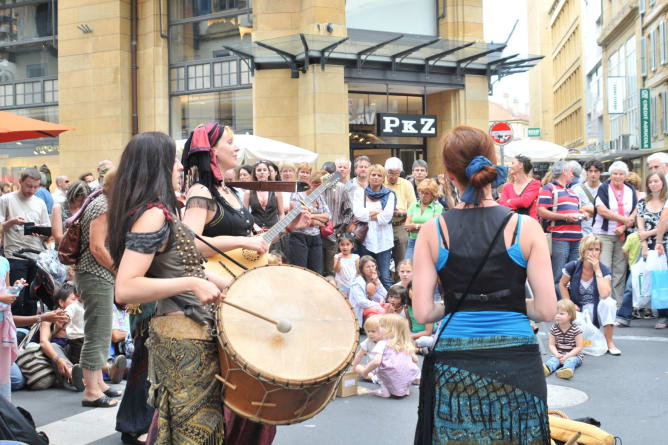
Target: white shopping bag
[(639, 278), (652, 263), (594, 340)]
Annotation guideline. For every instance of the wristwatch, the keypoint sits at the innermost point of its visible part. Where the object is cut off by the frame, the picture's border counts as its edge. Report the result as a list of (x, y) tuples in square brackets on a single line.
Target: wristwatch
[(599, 275)]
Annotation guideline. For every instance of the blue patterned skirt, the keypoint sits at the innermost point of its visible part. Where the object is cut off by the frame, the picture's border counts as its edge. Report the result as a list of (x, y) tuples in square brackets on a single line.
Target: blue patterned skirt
[(483, 391)]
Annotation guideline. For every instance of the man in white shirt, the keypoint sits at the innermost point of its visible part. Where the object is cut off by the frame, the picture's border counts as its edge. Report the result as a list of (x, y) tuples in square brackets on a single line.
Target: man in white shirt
[(587, 191), (62, 184), (361, 179), (16, 209)]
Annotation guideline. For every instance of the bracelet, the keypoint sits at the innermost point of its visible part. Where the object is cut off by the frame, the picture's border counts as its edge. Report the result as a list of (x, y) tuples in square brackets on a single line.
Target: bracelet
[(39, 318)]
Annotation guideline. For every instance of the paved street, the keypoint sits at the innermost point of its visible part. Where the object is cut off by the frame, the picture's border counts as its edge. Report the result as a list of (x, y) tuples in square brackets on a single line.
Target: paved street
[(628, 394)]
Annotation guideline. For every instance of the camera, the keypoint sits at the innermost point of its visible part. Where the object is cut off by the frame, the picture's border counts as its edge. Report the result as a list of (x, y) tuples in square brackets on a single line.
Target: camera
[(29, 228)]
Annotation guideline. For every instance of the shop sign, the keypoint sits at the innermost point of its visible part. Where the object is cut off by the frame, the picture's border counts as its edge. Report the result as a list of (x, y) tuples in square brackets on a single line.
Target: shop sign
[(534, 132), (616, 95), (645, 124), (406, 125), (501, 132)]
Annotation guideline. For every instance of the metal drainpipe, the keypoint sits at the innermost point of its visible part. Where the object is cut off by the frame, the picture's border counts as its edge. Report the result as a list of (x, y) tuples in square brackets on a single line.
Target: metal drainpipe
[(133, 52), (439, 16)]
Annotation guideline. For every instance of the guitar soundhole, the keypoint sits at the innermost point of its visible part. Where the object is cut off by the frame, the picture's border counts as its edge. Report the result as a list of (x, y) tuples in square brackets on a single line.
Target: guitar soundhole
[(250, 255)]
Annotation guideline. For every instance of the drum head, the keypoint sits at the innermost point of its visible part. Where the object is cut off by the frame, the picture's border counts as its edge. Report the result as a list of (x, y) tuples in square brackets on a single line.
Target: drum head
[(324, 331)]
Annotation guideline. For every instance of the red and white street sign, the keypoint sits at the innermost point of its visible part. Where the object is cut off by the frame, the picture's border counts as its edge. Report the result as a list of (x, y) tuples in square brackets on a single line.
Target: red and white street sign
[(501, 132)]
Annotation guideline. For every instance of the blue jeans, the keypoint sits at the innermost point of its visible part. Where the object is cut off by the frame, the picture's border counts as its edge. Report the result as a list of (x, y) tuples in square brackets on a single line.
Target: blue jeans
[(562, 253), (572, 362), (410, 248), (626, 309), (383, 262), (16, 378)]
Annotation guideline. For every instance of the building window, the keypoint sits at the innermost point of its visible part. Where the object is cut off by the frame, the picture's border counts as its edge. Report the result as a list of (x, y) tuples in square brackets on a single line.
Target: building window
[(225, 74), (643, 56), (199, 77), (662, 42), (50, 91), (652, 48), (233, 108), (6, 95), (184, 9), (28, 93), (178, 79), (655, 113)]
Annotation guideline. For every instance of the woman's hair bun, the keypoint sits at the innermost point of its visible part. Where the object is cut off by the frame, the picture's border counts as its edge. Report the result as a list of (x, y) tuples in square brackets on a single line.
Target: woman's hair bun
[(485, 176)]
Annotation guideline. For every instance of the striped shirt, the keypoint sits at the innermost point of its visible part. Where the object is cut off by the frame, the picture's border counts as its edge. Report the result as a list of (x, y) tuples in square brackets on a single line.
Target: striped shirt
[(567, 202), (565, 341)]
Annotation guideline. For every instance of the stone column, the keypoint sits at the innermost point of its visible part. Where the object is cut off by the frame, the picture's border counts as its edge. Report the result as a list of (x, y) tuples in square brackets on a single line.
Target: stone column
[(94, 82), (310, 111)]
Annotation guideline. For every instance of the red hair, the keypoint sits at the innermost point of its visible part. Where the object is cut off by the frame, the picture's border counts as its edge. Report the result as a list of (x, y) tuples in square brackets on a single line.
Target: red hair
[(460, 146)]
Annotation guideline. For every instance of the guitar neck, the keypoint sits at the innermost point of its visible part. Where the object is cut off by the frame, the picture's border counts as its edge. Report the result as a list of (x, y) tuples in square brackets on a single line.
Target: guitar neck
[(277, 228)]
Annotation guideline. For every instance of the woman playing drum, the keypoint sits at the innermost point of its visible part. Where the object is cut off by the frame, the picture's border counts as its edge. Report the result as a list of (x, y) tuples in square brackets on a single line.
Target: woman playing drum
[(156, 259), (212, 209)]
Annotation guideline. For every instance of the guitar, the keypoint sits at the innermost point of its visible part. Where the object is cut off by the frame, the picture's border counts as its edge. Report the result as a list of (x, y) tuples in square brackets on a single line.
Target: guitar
[(250, 259)]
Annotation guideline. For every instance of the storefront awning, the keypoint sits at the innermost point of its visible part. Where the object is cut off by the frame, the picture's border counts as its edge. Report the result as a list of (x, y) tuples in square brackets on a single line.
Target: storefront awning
[(389, 52)]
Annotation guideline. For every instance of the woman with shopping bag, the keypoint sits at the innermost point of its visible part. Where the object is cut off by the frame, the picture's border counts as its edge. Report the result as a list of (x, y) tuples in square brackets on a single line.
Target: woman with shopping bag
[(590, 288)]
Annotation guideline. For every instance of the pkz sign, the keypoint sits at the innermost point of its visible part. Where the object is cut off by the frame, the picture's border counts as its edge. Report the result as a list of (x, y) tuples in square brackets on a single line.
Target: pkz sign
[(406, 125)]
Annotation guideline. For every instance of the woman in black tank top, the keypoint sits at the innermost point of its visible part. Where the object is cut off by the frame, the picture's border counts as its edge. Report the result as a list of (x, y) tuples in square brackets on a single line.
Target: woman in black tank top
[(266, 207), (485, 345), (212, 209)]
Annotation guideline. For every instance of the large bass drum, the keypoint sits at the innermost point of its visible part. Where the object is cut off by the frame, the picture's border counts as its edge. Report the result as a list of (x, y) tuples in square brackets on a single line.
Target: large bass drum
[(282, 378)]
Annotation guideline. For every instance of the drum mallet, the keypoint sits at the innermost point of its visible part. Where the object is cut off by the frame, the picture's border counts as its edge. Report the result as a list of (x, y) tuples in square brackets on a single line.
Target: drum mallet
[(282, 325)]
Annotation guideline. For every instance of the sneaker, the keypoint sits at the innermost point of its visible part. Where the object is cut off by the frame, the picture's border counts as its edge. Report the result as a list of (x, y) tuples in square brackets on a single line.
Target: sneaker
[(636, 314), (565, 373), (647, 314), (77, 378), (622, 323), (662, 323), (117, 369), (546, 371)]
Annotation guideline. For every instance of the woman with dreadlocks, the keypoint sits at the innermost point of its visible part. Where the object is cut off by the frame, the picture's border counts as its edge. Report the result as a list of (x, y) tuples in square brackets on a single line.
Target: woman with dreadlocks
[(483, 382), (213, 209)]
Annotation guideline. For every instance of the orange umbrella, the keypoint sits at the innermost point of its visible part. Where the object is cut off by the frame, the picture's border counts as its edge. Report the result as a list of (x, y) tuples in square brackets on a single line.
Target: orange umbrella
[(16, 128)]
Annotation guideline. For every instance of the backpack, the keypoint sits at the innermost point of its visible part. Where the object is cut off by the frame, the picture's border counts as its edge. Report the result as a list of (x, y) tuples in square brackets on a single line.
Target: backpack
[(36, 367), (69, 248), (17, 424)]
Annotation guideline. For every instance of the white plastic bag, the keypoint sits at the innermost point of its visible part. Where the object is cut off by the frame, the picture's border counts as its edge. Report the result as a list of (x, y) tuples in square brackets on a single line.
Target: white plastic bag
[(652, 263), (594, 340), (639, 279)]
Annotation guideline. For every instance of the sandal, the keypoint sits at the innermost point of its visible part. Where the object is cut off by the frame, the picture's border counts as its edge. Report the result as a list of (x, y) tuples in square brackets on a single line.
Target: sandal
[(113, 393), (102, 402), (77, 378)]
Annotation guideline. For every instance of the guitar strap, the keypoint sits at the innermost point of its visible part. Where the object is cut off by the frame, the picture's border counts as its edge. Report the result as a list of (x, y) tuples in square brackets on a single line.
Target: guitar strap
[(226, 256)]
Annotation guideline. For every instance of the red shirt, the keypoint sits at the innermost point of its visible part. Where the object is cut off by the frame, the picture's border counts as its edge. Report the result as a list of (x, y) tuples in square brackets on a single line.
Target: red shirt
[(527, 199)]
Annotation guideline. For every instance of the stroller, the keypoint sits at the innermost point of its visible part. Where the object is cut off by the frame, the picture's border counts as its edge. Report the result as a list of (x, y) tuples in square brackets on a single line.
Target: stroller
[(38, 296)]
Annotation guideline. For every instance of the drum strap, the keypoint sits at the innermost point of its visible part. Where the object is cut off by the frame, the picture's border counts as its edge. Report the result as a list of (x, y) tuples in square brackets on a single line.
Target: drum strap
[(217, 250)]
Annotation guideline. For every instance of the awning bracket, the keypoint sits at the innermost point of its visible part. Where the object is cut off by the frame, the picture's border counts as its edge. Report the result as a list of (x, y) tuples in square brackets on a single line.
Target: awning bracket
[(290, 59), (369, 51), (436, 57), (403, 54), (249, 59), (326, 52)]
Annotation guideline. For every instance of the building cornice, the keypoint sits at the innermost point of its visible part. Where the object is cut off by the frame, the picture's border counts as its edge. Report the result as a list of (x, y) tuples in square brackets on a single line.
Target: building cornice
[(656, 13), (625, 17)]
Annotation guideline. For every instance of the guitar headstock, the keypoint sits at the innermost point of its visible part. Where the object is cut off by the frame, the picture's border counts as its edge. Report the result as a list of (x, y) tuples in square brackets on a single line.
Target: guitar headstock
[(329, 180)]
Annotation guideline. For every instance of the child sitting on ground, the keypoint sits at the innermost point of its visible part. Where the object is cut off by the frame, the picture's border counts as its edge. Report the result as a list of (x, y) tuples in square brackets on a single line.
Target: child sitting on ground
[(421, 333), (395, 359), (366, 292), (397, 299), (566, 342), (374, 335)]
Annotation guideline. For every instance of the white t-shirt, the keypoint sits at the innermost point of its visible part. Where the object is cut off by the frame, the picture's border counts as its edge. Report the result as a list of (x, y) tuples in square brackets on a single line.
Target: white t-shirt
[(75, 329), (627, 201), (33, 210), (585, 202), (369, 346)]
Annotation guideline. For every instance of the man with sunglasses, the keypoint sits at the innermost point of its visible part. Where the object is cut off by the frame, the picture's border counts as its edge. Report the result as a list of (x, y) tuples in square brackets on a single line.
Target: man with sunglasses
[(62, 184)]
